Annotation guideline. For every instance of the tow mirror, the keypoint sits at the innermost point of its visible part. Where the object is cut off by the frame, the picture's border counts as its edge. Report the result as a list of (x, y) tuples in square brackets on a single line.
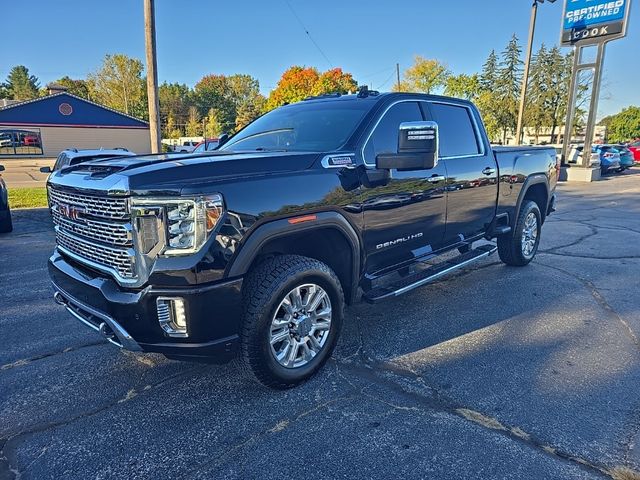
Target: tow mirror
[(45, 169), (224, 138), (417, 148)]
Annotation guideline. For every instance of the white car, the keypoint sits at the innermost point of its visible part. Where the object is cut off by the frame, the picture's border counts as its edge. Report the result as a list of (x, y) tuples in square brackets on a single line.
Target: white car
[(187, 146), (575, 156), (73, 156)]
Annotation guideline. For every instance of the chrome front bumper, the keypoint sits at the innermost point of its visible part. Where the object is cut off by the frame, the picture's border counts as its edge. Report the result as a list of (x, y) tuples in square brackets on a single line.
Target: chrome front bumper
[(98, 321)]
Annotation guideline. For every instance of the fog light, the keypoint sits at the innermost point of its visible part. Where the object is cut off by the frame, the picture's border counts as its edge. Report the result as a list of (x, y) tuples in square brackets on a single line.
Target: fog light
[(172, 316)]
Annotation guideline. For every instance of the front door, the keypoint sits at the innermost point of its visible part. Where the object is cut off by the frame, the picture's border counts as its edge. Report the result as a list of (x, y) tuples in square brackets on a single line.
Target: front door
[(404, 217)]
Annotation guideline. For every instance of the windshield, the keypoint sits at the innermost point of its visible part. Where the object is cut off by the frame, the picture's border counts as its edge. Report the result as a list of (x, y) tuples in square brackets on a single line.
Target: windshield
[(316, 126)]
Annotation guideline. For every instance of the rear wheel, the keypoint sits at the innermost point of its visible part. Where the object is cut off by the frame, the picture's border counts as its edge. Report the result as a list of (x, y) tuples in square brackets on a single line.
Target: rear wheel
[(293, 311), (520, 246)]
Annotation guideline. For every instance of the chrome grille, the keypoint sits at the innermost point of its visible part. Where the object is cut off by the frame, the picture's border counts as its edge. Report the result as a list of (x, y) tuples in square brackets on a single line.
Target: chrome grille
[(118, 259), (95, 230), (103, 207), (118, 234)]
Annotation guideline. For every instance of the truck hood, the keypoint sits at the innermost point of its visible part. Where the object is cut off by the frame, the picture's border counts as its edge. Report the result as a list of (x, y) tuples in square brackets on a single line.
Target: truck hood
[(164, 174)]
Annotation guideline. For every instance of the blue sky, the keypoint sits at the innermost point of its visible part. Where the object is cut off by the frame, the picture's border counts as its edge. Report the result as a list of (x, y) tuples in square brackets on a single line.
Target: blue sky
[(263, 38)]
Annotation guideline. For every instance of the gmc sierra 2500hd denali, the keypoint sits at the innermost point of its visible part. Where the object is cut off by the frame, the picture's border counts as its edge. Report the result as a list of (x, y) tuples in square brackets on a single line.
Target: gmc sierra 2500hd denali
[(255, 248)]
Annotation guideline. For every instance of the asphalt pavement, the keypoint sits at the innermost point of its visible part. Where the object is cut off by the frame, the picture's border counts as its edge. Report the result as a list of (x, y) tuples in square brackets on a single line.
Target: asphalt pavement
[(25, 172), (494, 372)]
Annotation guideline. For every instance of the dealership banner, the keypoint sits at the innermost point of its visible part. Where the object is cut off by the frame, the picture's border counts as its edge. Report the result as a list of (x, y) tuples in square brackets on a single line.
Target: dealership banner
[(593, 21)]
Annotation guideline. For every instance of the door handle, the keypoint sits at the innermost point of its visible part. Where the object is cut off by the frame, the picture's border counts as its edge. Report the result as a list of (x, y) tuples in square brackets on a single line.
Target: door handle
[(489, 171), (435, 178)]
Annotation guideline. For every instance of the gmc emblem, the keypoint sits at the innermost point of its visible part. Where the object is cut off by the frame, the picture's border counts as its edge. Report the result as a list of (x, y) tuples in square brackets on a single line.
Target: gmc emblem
[(72, 212)]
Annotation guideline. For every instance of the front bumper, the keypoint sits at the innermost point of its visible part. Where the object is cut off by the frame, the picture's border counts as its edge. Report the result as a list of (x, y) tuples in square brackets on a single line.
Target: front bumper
[(128, 318)]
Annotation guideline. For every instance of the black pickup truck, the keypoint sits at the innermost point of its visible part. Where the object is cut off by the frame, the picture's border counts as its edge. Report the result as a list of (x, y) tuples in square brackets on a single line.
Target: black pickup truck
[(255, 248)]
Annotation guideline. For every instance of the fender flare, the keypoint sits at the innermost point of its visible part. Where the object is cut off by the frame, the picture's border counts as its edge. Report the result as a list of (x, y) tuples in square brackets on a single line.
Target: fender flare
[(266, 232), (532, 179)]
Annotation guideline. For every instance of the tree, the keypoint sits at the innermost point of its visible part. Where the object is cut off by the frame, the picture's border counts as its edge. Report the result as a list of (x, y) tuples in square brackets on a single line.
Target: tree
[(463, 86), (213, 127), (624, 126), (507, 86), (296, 84), (170, 129), (175, 100), (20, 85), (425, 75), (194, 126), (75, 87), (119, 84), (489, 75), (334, 81), (247, 112)]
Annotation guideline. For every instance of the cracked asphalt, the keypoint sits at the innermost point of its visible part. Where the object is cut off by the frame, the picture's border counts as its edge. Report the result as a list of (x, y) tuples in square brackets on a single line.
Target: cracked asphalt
[(494, 372)]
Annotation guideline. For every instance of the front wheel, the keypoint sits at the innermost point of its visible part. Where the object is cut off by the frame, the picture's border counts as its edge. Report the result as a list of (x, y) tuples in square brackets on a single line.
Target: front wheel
[(520, 246), (293, 311)]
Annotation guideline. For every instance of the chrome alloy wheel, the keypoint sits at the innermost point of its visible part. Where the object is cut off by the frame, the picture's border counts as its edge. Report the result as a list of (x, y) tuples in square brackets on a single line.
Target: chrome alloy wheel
[(300, 326), (529, 235)]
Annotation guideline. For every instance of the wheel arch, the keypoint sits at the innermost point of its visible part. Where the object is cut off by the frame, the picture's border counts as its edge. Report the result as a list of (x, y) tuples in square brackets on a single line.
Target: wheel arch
[(328, 237), (535, 188)]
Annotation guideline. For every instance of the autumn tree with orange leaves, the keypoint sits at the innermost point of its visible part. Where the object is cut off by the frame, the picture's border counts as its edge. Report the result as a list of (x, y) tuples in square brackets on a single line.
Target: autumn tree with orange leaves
[(298, 83)]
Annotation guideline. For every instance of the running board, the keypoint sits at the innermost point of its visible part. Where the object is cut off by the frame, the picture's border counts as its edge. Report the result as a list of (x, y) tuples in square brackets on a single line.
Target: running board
[(429, 275)]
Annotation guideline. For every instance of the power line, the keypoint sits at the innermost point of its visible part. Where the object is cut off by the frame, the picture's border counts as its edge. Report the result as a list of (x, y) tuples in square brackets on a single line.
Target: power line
[(308, 34), (387, 80)]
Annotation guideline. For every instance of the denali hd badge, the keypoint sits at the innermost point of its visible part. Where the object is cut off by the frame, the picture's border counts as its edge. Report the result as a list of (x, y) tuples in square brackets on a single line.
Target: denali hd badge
[(397, 241)]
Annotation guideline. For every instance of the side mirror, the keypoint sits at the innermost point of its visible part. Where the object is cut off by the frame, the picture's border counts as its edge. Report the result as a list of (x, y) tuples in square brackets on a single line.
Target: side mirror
[(417, 148), (1, 168), (45, 169)]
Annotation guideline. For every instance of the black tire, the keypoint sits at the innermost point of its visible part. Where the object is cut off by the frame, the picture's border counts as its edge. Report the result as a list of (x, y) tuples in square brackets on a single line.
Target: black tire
[(263, 291), (6, 225), (510, 246)]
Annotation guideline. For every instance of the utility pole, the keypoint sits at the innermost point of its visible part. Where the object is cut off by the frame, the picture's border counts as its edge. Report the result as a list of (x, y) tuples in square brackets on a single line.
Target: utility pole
[(525, 75), (398, 75), (527, 62), (152, 75)]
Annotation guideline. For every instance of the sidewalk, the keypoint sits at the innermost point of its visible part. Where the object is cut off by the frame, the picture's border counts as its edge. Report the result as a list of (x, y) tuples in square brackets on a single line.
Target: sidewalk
[(25, 172)]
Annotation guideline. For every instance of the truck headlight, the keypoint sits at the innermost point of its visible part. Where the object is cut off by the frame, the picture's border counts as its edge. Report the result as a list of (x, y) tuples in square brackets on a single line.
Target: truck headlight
[(187, 221)]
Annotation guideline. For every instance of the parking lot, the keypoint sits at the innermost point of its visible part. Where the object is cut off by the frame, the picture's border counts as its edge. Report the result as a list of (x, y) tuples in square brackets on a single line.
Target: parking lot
[(495, 372)]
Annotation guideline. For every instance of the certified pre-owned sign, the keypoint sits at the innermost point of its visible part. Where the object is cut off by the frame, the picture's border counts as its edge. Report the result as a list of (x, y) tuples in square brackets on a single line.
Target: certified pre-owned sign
[(592, 21)]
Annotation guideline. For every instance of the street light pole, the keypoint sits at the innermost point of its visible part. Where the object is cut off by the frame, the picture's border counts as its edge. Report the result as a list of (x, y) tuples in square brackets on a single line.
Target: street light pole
[(525, 76), (152, 75)]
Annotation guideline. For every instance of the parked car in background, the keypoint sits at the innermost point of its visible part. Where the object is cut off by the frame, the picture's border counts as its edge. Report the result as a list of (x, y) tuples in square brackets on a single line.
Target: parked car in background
[(575, 156), (206, 146), (73, 156), (6, 140), (635, 149), (187, 146), (31, 141), (5, 213), (609, 158), (626, 157)]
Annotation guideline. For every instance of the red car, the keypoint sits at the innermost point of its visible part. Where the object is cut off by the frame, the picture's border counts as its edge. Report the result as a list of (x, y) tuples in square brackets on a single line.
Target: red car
[(635, 149), (31, 141)]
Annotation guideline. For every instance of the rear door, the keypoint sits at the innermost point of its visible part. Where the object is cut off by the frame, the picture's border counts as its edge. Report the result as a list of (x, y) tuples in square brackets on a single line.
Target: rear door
[(472, 171)]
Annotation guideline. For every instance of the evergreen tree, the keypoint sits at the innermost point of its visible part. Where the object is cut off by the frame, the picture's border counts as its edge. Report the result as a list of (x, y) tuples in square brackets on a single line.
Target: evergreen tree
[(194, 125), (508, 86), (489, 74), (20, 85)]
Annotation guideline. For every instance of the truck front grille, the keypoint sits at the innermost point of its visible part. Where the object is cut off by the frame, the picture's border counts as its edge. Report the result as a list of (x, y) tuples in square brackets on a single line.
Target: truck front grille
[(103, 207), (94, 230)]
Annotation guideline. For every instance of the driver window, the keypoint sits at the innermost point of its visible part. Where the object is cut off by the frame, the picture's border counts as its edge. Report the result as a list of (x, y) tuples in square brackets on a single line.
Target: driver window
[(385, 137)]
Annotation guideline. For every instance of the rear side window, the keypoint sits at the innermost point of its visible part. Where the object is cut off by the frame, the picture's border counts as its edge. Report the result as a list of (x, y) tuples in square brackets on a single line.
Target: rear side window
[(385, 136), (457, 135)]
